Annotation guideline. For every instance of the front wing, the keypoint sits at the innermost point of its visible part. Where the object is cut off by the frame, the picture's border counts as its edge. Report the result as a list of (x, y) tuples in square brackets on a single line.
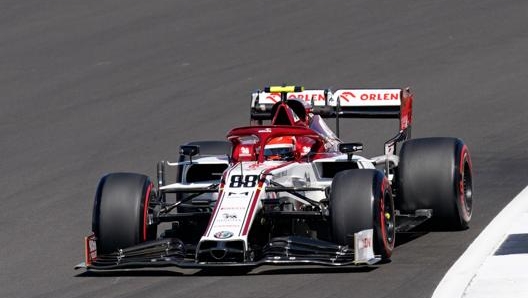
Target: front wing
[(291, 250)]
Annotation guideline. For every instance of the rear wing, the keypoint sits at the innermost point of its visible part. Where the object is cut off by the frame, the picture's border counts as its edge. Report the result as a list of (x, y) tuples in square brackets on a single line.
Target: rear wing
[(343, 103)]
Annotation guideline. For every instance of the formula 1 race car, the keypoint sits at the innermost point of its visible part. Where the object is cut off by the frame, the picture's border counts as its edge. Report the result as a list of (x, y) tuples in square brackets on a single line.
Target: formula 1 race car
[(284, 190)]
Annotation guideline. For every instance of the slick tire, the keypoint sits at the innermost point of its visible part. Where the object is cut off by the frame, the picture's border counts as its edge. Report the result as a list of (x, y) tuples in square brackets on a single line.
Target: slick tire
[(361, 200), (436, 173), (121, 210)]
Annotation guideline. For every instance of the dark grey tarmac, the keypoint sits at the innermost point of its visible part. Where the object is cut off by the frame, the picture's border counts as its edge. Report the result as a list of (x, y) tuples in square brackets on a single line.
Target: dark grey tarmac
[(91, 87)]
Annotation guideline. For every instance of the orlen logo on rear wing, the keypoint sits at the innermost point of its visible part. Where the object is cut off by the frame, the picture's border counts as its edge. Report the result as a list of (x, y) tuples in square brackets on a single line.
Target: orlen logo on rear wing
[(312, 97), (374, 103), (366, 97)]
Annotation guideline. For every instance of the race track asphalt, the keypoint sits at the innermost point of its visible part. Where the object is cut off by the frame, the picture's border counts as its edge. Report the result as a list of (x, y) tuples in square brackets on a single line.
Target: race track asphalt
[(91, 87)]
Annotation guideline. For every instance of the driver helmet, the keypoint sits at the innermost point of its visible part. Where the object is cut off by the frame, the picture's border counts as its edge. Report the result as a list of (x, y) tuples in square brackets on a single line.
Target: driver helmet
[(280, 148)]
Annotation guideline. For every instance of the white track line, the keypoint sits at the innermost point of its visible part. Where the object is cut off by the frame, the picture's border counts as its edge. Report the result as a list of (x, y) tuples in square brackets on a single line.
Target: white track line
[(460, 275)]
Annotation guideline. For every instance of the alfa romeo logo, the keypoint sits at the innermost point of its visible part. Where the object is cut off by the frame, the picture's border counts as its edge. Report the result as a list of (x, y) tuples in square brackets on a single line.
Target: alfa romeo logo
[(223, 235)]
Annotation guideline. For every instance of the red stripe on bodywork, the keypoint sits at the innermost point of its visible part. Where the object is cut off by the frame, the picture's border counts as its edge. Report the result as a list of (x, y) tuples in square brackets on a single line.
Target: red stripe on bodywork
[(255, 198), (219, 201), (252, 209)]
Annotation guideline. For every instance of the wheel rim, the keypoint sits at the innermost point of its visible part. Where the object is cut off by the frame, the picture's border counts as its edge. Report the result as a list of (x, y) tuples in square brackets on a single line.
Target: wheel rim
[(146, 212), (467, 190), (388, 221)]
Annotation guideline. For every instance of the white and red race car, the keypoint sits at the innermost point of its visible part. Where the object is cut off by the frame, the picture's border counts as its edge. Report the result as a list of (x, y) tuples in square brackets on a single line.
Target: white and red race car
[(284, 190)]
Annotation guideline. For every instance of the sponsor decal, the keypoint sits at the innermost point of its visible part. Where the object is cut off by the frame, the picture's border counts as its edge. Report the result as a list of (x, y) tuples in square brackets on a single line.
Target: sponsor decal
[(274, 97), (380, 96), (90, 249), (255, 166), (238, 194), (367, 97), (233, 208), (265, 130), (363, 246), (365, 243), (229, 216), (228, 226), (347, 96), (244, 151), (308, 96), (223, 235)]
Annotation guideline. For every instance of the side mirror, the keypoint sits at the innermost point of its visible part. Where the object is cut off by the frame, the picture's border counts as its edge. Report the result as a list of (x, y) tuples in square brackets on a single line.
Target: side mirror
[(189, 150), (350, 148)]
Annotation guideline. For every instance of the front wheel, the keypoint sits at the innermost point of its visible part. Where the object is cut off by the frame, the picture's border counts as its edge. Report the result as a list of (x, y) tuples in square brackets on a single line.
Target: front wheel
[(362, 200), (121, 211)]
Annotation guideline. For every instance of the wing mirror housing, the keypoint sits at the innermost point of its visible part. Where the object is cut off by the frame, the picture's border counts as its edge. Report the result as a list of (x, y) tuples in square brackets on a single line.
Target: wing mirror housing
[(350, 148), (189, 150)]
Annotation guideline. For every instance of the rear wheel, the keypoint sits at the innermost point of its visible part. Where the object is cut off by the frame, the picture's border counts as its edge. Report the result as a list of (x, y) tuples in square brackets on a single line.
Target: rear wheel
[(436, 173), (121, 211), (361, 200)]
